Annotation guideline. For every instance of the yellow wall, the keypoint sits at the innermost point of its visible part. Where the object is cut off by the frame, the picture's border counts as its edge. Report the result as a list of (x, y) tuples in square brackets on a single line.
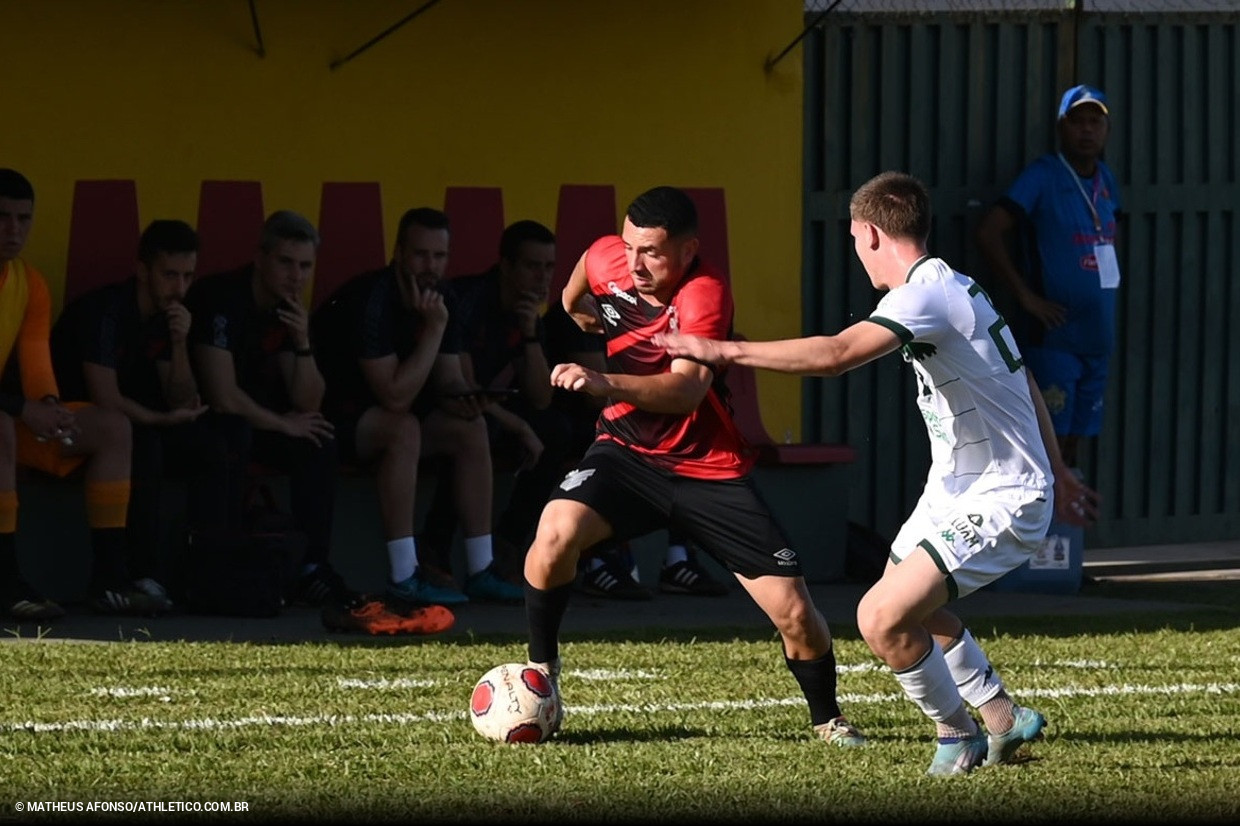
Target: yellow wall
[(522, 95)]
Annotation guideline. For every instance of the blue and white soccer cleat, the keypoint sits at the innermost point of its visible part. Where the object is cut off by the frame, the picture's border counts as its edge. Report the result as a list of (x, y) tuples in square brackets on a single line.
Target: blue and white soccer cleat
[(958, 755), (1026, 728)]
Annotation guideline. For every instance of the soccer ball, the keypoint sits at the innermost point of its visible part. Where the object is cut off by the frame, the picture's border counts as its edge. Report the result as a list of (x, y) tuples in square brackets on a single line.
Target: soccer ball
[(515, 703)]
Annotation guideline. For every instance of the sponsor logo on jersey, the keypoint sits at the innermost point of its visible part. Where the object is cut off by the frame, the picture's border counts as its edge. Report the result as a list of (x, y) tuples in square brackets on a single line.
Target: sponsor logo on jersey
[(611, 315), (615, 290)]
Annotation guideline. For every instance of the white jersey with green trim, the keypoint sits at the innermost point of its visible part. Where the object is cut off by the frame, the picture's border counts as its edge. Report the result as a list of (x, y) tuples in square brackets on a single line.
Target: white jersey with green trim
[(971, 384)]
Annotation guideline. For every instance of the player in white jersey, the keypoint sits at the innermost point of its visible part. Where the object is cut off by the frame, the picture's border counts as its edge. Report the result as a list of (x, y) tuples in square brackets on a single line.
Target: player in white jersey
[(996, 475)]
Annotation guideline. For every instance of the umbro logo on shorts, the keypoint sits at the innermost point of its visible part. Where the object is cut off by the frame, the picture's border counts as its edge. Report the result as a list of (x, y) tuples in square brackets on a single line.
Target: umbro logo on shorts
[(785, 556)]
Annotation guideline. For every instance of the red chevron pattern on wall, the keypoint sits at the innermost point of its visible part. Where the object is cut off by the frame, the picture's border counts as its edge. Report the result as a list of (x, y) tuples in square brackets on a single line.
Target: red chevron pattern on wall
[(103, 235), (104, 230), (351, 226)]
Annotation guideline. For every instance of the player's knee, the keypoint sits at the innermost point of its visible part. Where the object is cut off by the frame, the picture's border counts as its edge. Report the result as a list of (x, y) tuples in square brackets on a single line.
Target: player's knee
[(874, 622), (111, 430), (405, 437), (549, 562), (796, 619), (553, 539)]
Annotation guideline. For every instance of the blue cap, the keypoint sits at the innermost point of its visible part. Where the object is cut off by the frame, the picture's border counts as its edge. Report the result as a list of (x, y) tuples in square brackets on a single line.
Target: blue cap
[(1082, 94)]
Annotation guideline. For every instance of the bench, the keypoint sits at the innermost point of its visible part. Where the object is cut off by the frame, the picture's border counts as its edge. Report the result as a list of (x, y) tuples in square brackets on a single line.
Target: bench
[(801, 482)]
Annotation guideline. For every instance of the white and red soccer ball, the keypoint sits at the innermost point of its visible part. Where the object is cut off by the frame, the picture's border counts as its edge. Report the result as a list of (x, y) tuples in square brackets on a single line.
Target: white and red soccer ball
[(515, 703)]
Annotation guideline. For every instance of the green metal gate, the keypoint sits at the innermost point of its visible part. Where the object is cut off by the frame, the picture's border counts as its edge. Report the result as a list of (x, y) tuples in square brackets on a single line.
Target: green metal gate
[(964, 101)]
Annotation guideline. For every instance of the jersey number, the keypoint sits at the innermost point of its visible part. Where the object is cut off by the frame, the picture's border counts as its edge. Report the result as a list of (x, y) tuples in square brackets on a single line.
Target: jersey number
[(1000, 332)]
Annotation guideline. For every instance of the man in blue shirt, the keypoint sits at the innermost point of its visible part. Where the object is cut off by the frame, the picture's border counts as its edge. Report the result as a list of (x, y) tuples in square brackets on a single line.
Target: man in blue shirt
[(1062, 211)]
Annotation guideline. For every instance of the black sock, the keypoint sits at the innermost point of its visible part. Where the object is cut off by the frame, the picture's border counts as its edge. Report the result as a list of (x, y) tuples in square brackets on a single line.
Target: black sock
[(110, 568), (9, 570), (817, 681), (544, 610)]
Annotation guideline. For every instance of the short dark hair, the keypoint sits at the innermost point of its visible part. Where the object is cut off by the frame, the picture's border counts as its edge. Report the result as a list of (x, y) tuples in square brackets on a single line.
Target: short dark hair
[(665, 207), (15, 185), (426, 217), (520, 233), (895, 202), (286, 225), (168, 236)]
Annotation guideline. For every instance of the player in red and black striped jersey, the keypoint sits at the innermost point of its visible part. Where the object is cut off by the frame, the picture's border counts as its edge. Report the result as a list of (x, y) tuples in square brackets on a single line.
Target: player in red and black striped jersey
[(667, 453)]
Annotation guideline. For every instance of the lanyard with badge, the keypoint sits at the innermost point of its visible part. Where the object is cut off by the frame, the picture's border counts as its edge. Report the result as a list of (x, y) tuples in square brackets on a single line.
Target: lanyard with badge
[(1104, 253)]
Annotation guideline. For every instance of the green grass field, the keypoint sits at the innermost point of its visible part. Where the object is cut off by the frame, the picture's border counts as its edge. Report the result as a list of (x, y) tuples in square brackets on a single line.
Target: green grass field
[(1143, 721)]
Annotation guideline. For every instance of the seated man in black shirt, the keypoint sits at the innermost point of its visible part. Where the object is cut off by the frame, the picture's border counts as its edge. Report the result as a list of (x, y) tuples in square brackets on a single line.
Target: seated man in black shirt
[(502, 343), (123, 347), (250, 343), (396, 395)]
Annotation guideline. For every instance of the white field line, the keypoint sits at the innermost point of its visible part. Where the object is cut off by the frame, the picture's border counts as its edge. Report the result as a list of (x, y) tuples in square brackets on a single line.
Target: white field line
[(592, 675), (383, 684), (611, 675), (211, 724)]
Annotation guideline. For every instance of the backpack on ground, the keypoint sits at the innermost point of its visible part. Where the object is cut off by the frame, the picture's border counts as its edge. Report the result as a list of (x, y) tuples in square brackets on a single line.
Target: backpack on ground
[(244, 571)]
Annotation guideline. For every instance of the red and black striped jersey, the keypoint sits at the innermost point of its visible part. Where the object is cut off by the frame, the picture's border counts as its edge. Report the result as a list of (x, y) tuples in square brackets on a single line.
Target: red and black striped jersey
[(704, 444)]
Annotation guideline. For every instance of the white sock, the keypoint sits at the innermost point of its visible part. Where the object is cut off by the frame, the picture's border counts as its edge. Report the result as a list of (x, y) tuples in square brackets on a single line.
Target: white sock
[(975, 677), (676, 553), (478, 553), (929, 684), (402, 558)]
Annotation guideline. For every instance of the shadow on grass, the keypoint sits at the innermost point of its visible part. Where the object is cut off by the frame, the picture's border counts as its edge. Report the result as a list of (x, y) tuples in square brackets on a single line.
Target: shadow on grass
[(1222, 593), (1139, 621), (1200, 605), (597, 735)]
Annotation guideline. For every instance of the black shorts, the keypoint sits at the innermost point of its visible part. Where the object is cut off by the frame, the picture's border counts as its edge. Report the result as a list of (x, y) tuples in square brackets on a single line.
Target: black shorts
[(725, 518)]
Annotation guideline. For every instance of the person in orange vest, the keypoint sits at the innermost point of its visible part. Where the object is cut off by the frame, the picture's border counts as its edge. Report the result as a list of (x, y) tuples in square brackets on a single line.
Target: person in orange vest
[(38, 430)]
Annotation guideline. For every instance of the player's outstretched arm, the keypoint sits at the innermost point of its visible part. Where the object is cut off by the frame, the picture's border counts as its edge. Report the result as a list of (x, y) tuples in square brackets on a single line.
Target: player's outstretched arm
[(813, 355)]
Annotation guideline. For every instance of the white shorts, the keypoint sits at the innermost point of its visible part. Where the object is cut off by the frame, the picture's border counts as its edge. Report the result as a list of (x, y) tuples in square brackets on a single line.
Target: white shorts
[(976, 541)]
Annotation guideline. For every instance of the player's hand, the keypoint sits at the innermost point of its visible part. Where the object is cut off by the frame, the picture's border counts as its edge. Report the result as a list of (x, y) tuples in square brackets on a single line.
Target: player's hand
[(527, 310), (49, 419), (1075, 502), (580, 379), (292, 314), (429, 305), (679, 345), (313, 426), (1047, 312), (178, 322)]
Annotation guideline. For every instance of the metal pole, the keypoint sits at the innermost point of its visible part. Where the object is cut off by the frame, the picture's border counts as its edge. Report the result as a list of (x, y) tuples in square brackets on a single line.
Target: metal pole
[(258, 32), (337, 63), (771, 61)]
